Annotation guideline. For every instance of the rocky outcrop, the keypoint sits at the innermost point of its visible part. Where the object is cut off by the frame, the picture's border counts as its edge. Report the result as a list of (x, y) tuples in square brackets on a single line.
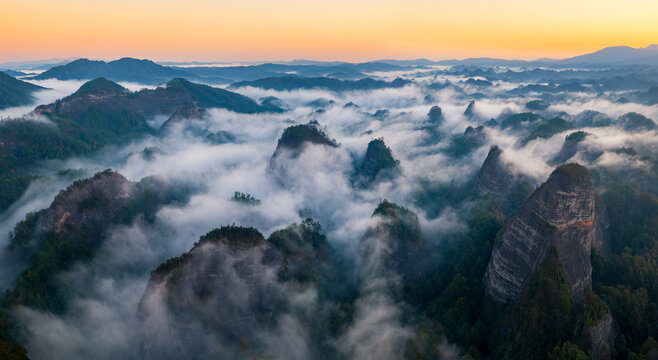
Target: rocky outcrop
[(393, 243), (226, 286), (569, 147), (470, 111), (565, 213), (496, 180), (295, 139), (233, 288), (602, 336), (378, 164)]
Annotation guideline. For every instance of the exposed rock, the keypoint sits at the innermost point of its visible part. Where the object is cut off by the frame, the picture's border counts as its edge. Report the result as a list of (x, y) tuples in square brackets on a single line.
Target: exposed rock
[(470, 109), (569, 147), (602, 335), (497, 180), (565, 213)]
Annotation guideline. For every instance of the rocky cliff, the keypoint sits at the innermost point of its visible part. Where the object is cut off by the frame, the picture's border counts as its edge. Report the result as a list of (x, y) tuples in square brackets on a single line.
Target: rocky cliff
[(496, 180), (565, 213), (232, 289)]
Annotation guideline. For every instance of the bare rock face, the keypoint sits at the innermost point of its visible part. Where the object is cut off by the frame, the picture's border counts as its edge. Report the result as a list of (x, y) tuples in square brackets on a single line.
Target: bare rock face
[(602, 335), (495, 179), (565, 213)]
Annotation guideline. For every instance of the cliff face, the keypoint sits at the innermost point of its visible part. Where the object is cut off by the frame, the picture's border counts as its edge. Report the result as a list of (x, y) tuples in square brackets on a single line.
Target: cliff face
[(495, 179), (565, 213), (222, 298)]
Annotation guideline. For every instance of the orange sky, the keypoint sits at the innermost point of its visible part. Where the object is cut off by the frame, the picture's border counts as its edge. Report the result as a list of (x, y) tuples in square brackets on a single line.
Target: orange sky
[(329, 30)]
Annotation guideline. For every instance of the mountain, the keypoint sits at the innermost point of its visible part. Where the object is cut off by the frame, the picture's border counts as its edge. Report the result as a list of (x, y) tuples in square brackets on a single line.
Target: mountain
[(332, 84), (616, 55), (14, 92), (569, 147), (73, 227), (296, 137), (496, 180), (566, 214), (191, 308), (164, 100), (636, 122), (125, 69), (101, 113), (378, 164)]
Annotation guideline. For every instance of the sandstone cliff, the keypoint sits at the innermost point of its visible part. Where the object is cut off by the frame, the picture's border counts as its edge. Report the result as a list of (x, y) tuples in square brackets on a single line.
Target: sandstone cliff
[(496, 180), (565, 213)]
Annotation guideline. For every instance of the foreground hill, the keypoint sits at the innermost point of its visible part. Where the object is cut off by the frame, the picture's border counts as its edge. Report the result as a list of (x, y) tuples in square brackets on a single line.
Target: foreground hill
[(14, 92)]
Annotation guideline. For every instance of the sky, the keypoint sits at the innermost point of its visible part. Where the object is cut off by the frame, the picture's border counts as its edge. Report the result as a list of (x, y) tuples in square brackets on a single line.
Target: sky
[(352, 30)]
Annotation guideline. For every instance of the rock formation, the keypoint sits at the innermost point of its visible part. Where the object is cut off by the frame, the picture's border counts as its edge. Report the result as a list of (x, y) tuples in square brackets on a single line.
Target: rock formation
[(378, 164), (565, 213), (497, 180)]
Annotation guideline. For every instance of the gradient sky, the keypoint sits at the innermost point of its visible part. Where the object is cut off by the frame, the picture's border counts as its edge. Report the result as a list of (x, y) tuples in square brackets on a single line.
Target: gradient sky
[(329, 30)]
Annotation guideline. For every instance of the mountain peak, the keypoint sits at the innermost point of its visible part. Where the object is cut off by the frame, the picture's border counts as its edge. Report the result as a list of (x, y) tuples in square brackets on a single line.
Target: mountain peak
[(565, 213), (100, 85)]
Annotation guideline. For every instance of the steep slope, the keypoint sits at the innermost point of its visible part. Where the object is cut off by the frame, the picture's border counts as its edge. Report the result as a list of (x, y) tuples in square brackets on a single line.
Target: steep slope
[(565, 213), (378, 164), (497, 180), (295, 138), (233, 288), (73, 227), (14, 92)]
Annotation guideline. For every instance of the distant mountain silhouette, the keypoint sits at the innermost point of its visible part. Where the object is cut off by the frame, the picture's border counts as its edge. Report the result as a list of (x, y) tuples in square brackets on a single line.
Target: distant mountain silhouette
[(126, 69)]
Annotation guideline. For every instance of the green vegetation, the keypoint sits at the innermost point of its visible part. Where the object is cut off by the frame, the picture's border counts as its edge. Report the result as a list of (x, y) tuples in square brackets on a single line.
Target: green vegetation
[(332, 84), (14, 92), (294, 136), (244, 198), (517, 121), (547, 129), (572, 170), (378, 162)]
